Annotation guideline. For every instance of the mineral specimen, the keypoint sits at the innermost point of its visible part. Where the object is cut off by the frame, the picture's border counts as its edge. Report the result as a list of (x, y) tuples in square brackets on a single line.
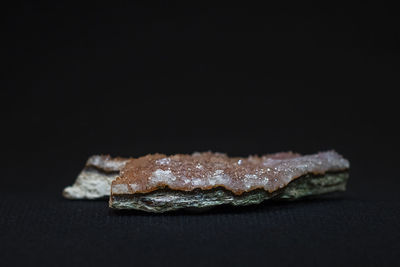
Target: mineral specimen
[(95, 179), (159, 183)]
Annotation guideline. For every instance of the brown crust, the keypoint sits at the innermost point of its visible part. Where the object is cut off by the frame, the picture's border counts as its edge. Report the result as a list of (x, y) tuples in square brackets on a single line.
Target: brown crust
[(238, 175)]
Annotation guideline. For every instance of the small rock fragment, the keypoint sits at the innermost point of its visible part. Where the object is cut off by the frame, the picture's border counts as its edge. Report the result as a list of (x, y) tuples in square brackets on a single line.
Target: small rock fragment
[(95, 179)]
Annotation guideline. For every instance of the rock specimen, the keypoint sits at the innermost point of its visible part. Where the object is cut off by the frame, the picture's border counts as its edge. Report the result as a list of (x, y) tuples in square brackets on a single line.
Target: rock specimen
[(159, 183), (95, 179)]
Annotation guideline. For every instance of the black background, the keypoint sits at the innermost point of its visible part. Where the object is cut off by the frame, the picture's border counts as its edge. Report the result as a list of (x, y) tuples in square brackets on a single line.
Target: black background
[(129, 79)]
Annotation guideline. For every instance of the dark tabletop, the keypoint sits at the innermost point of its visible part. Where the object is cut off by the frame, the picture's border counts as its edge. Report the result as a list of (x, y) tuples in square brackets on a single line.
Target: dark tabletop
[(131, 79)]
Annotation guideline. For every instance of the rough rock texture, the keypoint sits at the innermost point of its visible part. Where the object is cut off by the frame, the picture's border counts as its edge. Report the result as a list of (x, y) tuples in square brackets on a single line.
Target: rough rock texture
[(158, 183), (163, 200), (95, 179)]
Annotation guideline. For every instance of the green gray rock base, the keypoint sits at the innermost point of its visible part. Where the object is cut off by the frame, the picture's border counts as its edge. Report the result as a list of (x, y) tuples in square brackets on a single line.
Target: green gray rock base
[(168, 200)]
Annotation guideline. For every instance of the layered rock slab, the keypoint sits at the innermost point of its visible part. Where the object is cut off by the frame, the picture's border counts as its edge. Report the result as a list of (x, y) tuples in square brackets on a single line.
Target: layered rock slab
[(159, 183), (94, 181)]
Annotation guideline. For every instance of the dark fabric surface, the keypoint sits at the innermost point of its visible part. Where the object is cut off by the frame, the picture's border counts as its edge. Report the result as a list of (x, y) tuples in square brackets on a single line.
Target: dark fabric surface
[(129, 79), (329, 231)]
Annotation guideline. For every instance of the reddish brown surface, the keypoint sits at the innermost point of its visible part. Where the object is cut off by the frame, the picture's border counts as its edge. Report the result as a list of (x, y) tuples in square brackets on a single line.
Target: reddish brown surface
[(209, 170)]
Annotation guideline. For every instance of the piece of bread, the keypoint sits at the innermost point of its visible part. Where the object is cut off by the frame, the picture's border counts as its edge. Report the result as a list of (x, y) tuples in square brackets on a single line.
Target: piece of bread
[(159, 183)]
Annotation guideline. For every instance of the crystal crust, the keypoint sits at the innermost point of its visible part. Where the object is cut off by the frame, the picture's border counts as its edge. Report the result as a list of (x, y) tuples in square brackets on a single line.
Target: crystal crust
[(208, 170)]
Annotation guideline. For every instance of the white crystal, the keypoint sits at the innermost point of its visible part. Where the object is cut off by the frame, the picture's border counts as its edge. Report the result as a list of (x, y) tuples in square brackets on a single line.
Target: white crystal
[(120, 189), (163, 161), (161, 176)]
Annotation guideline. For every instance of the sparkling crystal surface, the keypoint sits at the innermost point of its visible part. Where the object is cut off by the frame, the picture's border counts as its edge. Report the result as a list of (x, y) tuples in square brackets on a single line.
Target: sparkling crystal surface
[(211, 170)]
